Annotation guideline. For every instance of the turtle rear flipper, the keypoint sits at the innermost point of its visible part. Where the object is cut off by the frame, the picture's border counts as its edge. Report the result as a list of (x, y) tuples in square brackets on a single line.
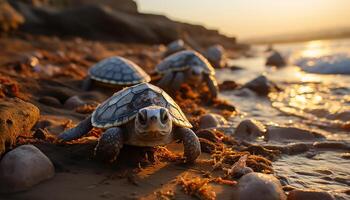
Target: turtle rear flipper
[(81, 129)]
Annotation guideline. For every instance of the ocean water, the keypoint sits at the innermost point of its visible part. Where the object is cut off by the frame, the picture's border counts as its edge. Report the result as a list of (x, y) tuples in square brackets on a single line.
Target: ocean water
[(315, 95)]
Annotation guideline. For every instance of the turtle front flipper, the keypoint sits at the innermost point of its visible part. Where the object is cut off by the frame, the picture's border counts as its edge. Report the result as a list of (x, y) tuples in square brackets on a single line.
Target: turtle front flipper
[(166, 80), (109, 145), (212, 85), (81, 129), (86, 84), (192, 147), (178, 80)]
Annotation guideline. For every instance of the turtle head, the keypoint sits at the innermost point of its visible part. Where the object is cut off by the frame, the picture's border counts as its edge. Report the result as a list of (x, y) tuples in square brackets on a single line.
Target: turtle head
[(194, 74), (153, 123)]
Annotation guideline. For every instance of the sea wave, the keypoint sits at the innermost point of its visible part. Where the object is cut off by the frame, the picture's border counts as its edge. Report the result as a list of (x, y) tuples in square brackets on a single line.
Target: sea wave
[(338, 63)]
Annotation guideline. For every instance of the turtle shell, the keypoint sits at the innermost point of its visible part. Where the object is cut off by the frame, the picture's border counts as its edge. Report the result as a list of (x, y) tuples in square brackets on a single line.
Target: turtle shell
[(182, 60), (125, 104), (118, 71)]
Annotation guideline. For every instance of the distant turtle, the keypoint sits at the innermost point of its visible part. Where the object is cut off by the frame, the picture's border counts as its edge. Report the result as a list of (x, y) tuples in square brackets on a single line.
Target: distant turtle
[(140, 115), (216, 56), (175, 46), (186, 66), (116, 71)]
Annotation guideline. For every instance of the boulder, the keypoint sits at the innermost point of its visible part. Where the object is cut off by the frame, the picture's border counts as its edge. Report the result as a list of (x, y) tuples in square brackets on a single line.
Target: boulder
[(261, 85), (275, 59), (24, 167), (309, 195), (211, 120), (259, 186), (283, 134), (106, 22), (249, 129), (17, 117)]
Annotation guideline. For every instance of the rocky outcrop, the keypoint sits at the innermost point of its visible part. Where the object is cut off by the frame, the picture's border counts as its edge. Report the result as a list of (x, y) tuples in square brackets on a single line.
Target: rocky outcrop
[(16, 118), (23, 168), (110, 22)]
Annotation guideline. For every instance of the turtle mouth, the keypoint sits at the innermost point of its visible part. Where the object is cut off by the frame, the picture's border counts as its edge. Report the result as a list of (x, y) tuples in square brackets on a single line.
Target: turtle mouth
[(153, 135)]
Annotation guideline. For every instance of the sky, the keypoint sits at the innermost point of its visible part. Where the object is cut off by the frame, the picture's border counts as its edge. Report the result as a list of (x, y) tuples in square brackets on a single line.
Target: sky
[(255, 18)]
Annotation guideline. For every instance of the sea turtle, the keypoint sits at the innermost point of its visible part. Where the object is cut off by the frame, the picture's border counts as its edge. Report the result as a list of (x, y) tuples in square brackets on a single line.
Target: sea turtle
[(175, 46), (116, 71), (140, 115), (186, 66), (216, 56)]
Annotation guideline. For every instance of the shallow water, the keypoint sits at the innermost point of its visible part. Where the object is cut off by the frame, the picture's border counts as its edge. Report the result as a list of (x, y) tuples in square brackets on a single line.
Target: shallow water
[(319, 100)]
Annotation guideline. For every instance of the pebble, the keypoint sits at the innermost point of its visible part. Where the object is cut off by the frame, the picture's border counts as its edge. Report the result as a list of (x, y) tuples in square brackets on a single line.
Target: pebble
[(249, 129), (211, 120), (50, 101), (275, 59), (259, 186), (73, 102), (261, 85), (24, 167)]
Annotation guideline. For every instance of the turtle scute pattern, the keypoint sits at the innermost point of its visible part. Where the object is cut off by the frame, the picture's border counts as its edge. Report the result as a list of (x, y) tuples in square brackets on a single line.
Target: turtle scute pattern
[(117, 70), (124, 105), (183, 60)]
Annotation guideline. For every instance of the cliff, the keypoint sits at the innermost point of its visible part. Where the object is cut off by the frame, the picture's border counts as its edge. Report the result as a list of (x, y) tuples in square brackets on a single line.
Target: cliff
[(116, 20)]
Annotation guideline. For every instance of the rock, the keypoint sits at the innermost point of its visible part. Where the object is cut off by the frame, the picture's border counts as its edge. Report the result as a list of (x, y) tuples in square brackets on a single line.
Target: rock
[(24, 167), (249, 129), (10, 19), (121, 5), (211, 120), (291, 149), (175, 46), (261, 85), (259, 186), (50, 101), (208, 135), (282, 134), (228, 85), (309, 195), (73, 102), (217, 56), (17, 117), (275, 59), (206, 145), (337, 145), (89, 21)]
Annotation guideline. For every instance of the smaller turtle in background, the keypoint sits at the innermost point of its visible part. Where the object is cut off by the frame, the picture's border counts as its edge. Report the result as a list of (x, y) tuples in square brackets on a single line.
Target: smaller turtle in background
[(216, 56), (186, 67), (141, 115), (174, 47), (115, 72)]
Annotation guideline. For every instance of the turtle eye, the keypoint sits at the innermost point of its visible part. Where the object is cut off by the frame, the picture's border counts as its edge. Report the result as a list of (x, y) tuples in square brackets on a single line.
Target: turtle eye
[(164, 116), (142, 117)]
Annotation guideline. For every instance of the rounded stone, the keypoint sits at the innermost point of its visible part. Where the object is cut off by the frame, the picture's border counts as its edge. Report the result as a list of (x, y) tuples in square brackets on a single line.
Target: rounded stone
[(249, 129), (259, 186), (275, 59), (211, 120), (74, 102), (24, 167)]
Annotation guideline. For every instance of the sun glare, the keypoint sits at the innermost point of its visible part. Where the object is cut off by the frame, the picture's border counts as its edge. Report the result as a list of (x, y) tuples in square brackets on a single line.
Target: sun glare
[(315, 49)]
